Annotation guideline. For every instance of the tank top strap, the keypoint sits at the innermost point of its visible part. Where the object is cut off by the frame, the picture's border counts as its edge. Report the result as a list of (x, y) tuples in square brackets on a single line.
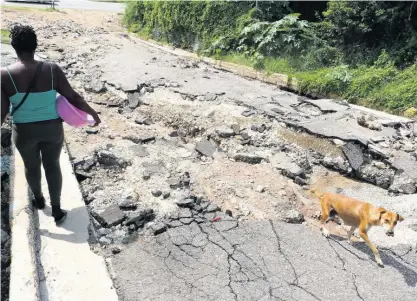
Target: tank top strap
[(12, 80), (52, 76)]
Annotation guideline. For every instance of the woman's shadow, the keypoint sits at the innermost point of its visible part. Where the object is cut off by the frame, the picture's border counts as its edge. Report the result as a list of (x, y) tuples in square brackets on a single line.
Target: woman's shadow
[(407, 270), (77, 222)]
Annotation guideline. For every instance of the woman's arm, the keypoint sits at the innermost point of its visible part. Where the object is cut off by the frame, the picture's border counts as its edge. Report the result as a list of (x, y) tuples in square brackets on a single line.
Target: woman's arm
[(5, 105), (65, 89), (5, 102)]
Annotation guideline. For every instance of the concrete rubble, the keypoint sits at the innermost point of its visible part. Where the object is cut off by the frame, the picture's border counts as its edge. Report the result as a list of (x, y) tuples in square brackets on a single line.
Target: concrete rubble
[(182, 143), (369, 144)]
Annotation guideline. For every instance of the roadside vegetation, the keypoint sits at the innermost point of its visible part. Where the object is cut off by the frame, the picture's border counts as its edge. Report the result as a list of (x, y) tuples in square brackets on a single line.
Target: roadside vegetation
[(113, 1), (24, 8), (364, 52), (5, 39)]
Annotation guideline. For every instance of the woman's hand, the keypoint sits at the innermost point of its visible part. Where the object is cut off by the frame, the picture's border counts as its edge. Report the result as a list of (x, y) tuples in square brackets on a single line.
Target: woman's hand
[(96, 118), (65, 89)]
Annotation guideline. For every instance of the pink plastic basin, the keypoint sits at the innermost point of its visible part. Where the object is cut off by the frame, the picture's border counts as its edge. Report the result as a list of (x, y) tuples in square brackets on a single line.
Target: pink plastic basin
[(71, 115)]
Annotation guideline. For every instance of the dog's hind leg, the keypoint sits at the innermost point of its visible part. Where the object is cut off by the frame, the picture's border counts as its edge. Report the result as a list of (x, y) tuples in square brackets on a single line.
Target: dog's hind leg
[(325, 211)]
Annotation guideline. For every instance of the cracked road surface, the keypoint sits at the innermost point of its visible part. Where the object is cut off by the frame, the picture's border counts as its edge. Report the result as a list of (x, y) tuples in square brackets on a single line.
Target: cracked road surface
[(259, 260), (257, 257)]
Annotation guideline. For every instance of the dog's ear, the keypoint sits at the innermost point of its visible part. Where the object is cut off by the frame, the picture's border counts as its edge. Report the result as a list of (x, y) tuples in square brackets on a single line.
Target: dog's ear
[(380, 211), (399, 218)]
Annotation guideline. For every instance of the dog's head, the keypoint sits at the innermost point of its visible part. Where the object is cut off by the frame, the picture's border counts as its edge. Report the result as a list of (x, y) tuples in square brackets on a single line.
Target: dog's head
[(389, 220)]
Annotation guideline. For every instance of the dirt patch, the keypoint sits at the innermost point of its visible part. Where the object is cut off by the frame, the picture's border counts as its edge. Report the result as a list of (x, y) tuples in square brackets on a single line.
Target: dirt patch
[(255, 191), (106, 20), (308, 141)]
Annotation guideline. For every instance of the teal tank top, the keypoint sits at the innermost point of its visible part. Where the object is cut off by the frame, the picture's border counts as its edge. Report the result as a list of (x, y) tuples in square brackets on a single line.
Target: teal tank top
[(39, 106)]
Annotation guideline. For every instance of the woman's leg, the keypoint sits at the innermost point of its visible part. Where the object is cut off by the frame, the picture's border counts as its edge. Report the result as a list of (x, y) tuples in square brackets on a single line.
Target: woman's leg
[(51, 151), (29, 151)]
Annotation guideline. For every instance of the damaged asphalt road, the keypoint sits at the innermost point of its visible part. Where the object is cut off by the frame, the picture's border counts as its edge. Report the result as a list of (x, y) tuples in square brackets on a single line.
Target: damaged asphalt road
[(259, 260), (175, 129)]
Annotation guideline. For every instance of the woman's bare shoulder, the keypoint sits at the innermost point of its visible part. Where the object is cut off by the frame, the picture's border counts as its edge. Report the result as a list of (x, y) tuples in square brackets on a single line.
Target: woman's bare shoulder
[(10, 67), (55, 67), (4, 73)]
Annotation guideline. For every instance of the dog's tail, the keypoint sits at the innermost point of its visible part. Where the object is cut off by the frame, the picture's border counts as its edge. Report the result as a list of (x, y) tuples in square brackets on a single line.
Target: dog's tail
[(317, 193)]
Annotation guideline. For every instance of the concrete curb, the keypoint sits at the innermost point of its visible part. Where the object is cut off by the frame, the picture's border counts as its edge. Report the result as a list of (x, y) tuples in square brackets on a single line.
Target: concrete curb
[(24, 280)]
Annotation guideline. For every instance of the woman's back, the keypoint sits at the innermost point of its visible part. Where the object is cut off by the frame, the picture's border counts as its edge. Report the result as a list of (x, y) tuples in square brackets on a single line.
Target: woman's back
[(40, 104)]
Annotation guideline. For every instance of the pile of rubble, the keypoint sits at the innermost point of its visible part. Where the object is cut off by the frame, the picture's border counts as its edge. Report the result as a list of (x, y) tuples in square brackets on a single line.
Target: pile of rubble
[(116, 221), (178, 124)]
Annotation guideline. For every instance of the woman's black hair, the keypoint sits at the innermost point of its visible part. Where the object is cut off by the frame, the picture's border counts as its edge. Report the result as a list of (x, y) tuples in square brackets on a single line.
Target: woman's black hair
[(23, 38)]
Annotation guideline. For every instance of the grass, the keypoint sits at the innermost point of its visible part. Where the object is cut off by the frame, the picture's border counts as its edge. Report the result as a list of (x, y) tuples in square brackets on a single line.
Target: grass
[(23, 8), (380, 87), (5, 39), (112, 1), (236, 59)]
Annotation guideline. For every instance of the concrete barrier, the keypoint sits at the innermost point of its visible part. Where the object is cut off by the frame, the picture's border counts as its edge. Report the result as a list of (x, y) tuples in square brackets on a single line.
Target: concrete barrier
[(24, 281)]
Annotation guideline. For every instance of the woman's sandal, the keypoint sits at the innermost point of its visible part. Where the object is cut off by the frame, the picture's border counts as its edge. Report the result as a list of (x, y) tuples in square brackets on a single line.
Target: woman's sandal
[(39, 203)]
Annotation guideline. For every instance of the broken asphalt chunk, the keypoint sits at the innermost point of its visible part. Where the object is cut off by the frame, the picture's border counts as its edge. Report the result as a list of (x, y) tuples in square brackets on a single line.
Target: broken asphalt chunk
[(212, 208), (158, 228), (109, 217), (139, 219), (140, 138), (248, 113), (284, 163), (225, 132), (353, 153), (248, 158), (185, 203), (205, 147)]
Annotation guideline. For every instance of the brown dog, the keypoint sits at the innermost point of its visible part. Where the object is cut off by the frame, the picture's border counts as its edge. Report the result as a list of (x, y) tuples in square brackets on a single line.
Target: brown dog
[(357, 214)]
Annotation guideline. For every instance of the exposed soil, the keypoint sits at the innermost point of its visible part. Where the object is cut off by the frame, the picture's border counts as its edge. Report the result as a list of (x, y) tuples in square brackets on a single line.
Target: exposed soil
[(159, 145)]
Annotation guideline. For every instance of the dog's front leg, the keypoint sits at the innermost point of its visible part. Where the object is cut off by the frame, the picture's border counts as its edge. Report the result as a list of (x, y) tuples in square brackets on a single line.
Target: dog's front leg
[(325, 209), (364, 235), (350, 232)]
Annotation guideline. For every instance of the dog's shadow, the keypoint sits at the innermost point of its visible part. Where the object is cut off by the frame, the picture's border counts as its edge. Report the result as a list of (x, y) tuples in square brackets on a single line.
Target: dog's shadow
[(387, 256)]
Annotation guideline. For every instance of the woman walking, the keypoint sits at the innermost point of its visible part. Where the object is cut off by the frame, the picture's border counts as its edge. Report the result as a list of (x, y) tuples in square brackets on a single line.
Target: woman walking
[(28, 92)]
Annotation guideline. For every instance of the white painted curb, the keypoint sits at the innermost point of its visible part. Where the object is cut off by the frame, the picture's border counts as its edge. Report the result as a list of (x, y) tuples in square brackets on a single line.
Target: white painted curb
[(23, 274)]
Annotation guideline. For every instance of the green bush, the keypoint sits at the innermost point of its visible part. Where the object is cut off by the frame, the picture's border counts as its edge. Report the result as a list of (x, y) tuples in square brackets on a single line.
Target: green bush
[(361, 29), (187, 23), (397, 95), (5, 36)]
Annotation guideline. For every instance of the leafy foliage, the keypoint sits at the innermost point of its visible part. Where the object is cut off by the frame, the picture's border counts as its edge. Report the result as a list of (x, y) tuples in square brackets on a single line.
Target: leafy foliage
[(365, 52), (287, 37), (362, 29)]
